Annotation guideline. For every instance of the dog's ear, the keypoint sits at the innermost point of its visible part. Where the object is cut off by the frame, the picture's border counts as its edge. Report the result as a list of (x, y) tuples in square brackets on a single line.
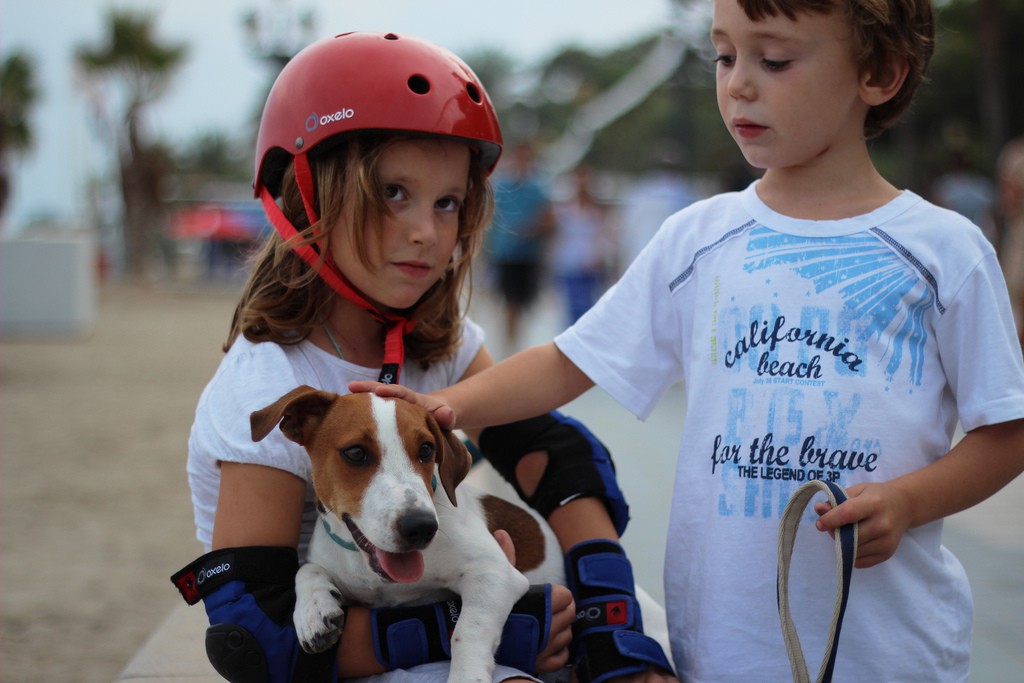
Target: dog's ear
[(453, 459), (300, 412)]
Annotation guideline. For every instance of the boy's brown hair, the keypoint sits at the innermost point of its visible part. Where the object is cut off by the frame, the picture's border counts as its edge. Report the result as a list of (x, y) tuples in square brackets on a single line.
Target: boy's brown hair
[(284, 299), (882, 30)]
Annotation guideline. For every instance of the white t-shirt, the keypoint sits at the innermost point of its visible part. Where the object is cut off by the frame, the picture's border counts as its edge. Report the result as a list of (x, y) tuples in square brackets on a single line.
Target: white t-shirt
[(840, 349), (251, 377)]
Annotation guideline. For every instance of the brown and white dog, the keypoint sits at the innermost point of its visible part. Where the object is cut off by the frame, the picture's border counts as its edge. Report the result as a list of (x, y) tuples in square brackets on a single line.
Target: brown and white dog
[(388, 535)]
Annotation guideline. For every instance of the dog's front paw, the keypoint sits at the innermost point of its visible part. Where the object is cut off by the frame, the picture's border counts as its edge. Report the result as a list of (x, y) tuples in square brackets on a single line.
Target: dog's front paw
[(319, 620)]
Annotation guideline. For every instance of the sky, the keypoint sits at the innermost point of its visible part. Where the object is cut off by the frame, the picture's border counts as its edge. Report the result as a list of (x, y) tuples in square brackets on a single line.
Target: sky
[(219, 85)]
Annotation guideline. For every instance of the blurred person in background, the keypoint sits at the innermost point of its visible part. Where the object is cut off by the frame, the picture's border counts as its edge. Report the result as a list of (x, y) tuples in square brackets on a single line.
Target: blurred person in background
[(1010, 171), (968, 192), (520, 231), (584, 245), (655, 196)]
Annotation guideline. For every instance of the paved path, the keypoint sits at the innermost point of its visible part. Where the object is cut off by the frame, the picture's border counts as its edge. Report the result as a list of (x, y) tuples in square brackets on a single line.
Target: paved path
[(92, 437)]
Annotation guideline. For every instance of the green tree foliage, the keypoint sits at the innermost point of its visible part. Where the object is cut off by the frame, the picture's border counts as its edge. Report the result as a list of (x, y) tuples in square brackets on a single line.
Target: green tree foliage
[(972, 102), (974, 98), (18, 93), (677, 123)]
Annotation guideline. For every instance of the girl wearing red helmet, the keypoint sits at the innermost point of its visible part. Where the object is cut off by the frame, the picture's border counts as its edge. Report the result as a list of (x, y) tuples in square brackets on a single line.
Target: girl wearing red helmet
[(372, 162)]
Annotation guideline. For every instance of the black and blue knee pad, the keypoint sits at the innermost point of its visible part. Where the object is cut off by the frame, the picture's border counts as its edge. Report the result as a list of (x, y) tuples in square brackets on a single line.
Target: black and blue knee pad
[(608, 637), (249, 595), (579, 465)]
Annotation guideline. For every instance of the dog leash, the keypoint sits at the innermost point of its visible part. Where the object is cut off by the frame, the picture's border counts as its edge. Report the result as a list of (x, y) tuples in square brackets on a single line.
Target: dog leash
[(846, 550)]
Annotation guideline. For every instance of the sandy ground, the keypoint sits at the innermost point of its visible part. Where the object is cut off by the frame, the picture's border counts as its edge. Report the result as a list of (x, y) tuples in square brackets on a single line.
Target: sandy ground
[(94, 505)]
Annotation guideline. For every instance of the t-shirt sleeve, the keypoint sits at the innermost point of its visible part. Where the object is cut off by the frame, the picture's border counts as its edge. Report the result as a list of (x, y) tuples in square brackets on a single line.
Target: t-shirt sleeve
[(980, 353), (248, 380), (630, 342)]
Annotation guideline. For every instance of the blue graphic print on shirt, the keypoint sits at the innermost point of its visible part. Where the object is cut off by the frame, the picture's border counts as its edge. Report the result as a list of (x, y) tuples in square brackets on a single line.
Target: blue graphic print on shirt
[(864, 303), (887, 298)]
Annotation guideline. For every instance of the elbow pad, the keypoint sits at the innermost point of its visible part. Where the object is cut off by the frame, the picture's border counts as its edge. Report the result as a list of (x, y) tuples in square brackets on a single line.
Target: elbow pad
[(249, 595), (579, 465)]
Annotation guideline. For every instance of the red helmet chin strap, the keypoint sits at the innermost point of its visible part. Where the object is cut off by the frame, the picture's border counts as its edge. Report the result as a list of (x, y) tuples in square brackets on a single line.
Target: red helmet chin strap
[(398, 326)]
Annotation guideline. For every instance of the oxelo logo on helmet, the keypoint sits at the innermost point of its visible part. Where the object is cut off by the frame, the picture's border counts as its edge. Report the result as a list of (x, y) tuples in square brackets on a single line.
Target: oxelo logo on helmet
[(315, 120)]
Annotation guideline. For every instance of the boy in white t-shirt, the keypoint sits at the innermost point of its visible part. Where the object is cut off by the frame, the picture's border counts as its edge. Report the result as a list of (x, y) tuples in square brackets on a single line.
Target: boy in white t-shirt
[(825, 325)]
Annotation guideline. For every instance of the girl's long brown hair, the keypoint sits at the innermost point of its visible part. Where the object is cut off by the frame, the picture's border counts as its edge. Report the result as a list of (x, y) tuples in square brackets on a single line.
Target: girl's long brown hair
[(284, 298)]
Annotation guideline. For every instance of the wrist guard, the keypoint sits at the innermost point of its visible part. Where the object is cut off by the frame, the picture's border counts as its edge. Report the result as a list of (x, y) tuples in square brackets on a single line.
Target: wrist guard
[(249, 595), (579, 465), (404, 637), (608, 635)]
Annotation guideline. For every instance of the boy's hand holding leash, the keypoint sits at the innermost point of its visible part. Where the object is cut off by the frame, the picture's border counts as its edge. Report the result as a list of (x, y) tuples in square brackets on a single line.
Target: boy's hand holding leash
[(978, 466), (880, 511)]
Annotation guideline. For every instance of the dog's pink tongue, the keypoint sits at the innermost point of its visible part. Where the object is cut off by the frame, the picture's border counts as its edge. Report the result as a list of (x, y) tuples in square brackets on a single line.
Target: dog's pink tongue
[(401, 567)]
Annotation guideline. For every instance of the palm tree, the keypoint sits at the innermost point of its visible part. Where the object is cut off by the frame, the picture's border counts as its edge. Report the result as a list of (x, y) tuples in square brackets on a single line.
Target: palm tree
[(17, 95), (135, 63)]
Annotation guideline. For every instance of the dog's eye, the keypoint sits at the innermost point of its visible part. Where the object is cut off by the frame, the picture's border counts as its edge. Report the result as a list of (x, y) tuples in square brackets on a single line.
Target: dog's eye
[(426, 452), (356, 455)]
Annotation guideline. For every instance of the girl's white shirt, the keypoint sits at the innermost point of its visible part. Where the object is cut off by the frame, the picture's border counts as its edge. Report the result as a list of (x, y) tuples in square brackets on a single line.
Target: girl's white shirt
[(251, 377)]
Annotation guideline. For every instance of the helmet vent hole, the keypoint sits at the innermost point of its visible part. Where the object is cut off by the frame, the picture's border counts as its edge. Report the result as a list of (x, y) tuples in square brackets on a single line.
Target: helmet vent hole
[(474, 93), (391, 36), (419, 85)]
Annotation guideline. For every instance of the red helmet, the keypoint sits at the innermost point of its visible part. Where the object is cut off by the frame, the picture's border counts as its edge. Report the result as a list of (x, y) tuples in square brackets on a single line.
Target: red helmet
[(371, 82)]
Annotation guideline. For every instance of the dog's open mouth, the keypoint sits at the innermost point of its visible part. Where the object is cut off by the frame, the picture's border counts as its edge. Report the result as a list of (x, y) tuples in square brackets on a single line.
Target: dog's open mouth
[(397, 567)]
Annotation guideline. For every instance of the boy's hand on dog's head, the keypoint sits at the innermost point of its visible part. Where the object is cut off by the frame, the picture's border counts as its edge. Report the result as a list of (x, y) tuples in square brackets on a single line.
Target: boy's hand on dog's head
[(441, 411)]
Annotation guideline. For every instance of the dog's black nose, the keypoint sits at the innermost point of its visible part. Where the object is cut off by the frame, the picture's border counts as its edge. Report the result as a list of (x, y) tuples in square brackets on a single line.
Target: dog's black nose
[(417, 529)]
